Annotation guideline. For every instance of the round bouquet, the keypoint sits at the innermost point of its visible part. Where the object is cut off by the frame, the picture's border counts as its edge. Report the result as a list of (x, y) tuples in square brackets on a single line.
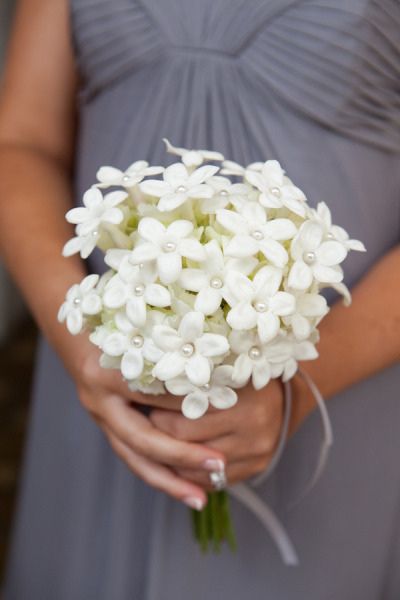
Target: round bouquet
[(214, 280)]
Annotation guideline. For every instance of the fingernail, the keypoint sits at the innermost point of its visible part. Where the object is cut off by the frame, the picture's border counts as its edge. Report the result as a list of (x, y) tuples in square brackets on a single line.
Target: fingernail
[(214, 464), (194, 502)]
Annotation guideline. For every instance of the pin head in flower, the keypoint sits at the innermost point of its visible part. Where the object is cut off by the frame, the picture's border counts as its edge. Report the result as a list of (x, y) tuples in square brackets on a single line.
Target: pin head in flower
[(213, 283)]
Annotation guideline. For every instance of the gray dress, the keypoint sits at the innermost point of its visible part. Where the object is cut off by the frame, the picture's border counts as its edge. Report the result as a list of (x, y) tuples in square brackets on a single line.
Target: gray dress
[(315, 84)]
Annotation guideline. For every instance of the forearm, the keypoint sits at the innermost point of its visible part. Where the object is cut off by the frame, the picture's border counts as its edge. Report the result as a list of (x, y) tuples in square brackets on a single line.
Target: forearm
[(35, 193), (356, 341)]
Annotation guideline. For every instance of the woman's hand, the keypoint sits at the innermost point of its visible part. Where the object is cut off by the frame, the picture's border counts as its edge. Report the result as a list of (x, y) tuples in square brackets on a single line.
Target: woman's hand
[(153, 455), (245, 434)]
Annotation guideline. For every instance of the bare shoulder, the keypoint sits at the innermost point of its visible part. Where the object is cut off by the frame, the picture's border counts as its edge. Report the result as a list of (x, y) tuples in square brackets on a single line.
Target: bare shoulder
[(37, 96)]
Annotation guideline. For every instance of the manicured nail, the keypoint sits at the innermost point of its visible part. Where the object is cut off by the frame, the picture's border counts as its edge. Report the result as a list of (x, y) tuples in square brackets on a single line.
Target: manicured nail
[(194, 502), (214, 464)]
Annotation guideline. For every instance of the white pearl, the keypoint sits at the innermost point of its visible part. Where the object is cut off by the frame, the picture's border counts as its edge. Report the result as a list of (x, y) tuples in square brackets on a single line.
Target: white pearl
[(187, 350), (257, 235), (95, 233), (77, 300), (206, 387), (309, 257), (139, 290), (216, 283), (223, 193), (275, 191), (126, 178), (169, 247), (181, 189), (260, 306), (330, 236), (255, 352), (137, 341), (141, 265)]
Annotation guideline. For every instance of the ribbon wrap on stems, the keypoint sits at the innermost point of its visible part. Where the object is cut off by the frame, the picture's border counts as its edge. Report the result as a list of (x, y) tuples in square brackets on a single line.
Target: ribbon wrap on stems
[(244, 493)]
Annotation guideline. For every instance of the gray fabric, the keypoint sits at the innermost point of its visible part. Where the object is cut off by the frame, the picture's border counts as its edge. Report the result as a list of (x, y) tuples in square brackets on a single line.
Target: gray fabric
[(316, 85)]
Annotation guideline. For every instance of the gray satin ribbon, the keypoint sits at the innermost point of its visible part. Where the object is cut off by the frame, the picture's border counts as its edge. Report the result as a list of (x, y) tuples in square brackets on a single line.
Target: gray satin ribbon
[(244, 493)]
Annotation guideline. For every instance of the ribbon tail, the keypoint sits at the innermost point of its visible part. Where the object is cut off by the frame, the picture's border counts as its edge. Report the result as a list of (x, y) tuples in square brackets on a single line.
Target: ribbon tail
[(327, 437), (271, 523)]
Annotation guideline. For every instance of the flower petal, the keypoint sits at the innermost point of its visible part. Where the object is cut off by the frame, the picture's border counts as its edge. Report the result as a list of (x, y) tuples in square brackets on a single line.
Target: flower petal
[(193, 279), (231, 221), (311, 235), (212, 344), (115, 294), (300, 276), (136, 310), (331, 253), (267, 326), (194, 405), (88, 283), (109, 175), (208, 300), (180, 228), (144, 252), (132, 364), (169, 266), (170, 365), (242, 369), (151, 230), (312, 305), (192, 249), (202, 174), (280, 229), (77, 215), (222, 397), (261, 374), (198, 370), (74, 321), (274, 252), (267, 281), (92, 198), (241, 246), (91, 304), (327, 274), (191, 326), (154, 187), (301, 327), (179, 386), (242, 316), (282, 304), (166, 338), (176, 175), (115, 344), (157, 295)]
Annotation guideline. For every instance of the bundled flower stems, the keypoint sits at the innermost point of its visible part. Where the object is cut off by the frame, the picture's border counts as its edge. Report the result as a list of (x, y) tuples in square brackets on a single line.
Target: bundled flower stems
[(212, 282)]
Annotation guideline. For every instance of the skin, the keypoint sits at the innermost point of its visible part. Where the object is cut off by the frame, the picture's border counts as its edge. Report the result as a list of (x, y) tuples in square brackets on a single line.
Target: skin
[(37, 142)]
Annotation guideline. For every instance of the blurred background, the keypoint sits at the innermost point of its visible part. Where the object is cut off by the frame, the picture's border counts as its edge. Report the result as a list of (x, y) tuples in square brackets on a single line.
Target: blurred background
[(17, 346)]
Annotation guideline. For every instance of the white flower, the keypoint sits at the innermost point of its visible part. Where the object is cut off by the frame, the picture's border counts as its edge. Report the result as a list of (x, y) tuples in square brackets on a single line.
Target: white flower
[(179, 185), (209, 281), (253, 233), (187, 350), (192, 158), (96, 211), (258, 302), (81, 299), (108, 176), (314, 257), (218, 392), (135, 288), (310, 308), (167, 246), (224, 193), (276, 189), (322, 215), (229, 167), (131, 344)]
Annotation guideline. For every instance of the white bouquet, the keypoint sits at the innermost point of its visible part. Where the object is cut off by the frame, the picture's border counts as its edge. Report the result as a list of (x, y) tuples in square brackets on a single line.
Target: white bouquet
[(211, 282)]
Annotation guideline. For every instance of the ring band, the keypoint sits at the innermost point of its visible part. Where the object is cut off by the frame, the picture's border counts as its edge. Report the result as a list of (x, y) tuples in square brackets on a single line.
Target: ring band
[(218, 480)]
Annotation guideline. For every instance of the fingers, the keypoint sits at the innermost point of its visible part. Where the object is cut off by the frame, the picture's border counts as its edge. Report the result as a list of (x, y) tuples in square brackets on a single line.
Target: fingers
[(235, 472), (211, 425), (158, 476), (139, 434)]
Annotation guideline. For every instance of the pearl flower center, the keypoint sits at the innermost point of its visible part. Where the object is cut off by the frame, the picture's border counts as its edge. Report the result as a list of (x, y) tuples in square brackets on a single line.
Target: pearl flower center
[(216, 283), (137, 341), (257, 235), (187, 350), (139, 289), (169, 247), (275, 191), (181, 189), (261, 306), (255, 353), (309, 257), (126, 178), (223, 193), (77, 301)]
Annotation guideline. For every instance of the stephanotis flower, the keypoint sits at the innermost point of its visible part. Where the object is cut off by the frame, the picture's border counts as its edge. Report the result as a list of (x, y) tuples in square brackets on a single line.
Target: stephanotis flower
[(259, 303), (276, 189), (209, 281), (167, 246), (81, 299), (310, 308), (131, 344), (253, 233), (135, 287), (229, 167), (218, 392), (179, 185), (322, 215), (224, 193), (108, 176), (192, 158), (315, 258), (187, 349)]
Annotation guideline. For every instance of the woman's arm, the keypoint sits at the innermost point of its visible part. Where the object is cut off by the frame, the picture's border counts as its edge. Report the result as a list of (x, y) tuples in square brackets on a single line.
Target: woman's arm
[(37, 133), (356, 341)]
